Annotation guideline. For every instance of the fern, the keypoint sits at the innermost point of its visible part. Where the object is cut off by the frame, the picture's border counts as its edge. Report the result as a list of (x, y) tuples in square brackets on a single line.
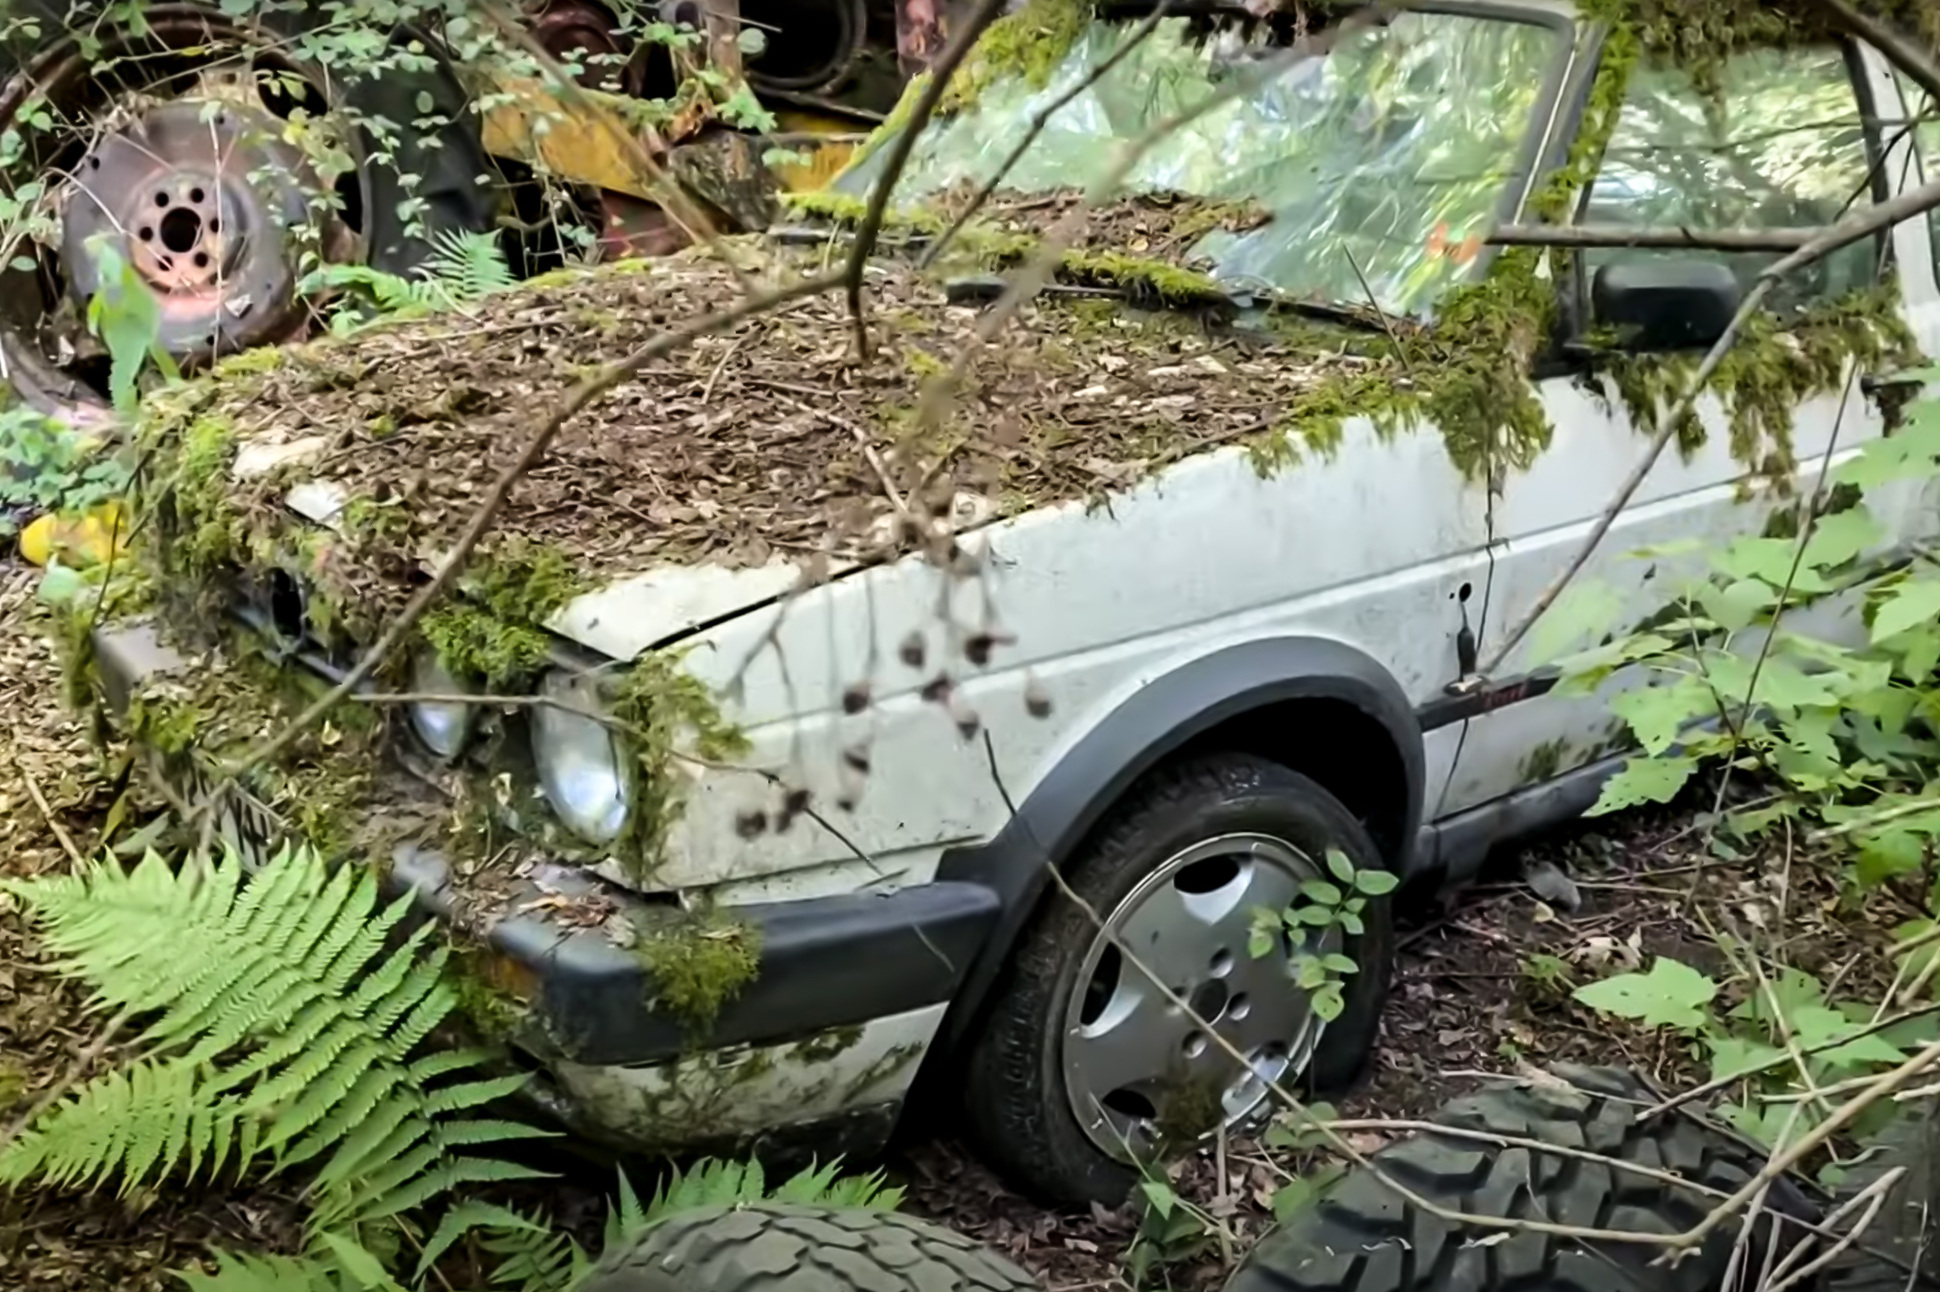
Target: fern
[(467, 266), (284, 1031), (712, 1182), (464, 267)]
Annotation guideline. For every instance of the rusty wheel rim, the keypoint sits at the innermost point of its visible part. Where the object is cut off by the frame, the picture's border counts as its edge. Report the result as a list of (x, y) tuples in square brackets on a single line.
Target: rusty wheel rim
[(175, 150)]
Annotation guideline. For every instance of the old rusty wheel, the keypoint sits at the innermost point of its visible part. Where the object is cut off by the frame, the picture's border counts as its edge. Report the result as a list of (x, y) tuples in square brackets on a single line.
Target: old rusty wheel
[(218, 166)]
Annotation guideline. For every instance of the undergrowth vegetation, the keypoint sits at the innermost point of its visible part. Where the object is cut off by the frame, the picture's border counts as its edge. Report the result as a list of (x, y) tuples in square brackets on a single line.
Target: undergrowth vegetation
[(289, 1024)]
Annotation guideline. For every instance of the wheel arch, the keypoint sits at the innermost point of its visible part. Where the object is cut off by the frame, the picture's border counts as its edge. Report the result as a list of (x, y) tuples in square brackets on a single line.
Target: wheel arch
[(1261, 697)]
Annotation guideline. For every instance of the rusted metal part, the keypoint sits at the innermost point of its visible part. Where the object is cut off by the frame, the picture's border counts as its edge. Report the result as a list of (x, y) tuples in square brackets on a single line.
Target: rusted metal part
[(585, 32), (919, 34), (723, 169), (630, 227), (599, 144), (205, 197), (37, 348)]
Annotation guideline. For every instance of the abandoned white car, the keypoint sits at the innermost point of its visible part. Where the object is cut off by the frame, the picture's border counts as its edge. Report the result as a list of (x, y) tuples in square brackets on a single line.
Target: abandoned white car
[(749, 817)]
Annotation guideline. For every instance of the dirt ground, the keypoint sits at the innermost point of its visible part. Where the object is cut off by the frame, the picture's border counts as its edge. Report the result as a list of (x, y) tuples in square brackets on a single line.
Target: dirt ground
[(1463, 1005)]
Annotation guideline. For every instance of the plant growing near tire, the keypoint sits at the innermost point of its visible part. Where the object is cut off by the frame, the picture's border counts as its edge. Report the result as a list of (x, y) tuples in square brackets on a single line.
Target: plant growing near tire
[(1848, 737), (1327, 906)]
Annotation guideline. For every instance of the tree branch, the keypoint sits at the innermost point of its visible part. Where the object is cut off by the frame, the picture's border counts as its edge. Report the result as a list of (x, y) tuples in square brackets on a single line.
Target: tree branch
[(1908, 56), (1616, 237), (899, 150), (1859, 225), (585, 393)]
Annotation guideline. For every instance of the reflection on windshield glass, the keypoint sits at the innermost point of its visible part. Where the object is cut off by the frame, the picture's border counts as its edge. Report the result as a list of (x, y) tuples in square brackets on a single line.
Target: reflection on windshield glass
[(1379, 161)]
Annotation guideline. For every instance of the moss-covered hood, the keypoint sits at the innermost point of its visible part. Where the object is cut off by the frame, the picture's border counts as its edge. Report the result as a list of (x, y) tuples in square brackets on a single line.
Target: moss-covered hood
[(703, 485)]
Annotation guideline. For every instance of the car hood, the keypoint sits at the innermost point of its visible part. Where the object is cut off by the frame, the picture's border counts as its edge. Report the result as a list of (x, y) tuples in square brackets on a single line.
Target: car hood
[(715, 479)]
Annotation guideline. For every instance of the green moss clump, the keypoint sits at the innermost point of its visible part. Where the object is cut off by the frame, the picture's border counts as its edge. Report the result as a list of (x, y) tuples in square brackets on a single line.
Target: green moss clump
[(1031, 43), (494, 632), (663, 708), (698, 962), (1142, 279), (206, 528), (846, 212)]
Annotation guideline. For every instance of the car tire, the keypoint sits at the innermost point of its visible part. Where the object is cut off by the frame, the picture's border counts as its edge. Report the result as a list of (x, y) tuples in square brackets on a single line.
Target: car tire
[(1019, 1107), (1902, 1230), (445, 191), (784, 1247), (1362, 1236)]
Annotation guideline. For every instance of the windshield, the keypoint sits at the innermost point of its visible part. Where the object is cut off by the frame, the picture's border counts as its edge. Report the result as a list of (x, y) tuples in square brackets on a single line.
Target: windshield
[(1379, 162)]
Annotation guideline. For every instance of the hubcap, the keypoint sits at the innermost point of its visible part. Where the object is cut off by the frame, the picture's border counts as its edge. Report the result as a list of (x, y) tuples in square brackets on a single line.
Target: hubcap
[(205, 199), (1138, 1069)]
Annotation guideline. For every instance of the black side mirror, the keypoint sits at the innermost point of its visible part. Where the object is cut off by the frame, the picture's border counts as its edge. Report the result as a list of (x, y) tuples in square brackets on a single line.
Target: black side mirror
[(1655, 305)]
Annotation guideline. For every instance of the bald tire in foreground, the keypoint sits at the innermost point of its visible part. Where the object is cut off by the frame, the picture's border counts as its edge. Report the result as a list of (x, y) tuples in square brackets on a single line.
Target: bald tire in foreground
[(1907, 1226), (784, 1247), (1363, 1237)]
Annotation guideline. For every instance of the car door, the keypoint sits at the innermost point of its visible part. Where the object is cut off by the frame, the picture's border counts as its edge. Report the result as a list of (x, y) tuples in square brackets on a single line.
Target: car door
[(1780, 142)]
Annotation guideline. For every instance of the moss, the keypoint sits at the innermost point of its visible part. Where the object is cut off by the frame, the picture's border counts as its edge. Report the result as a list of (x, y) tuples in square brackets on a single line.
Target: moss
[(697, 962), (665, 711), (847, 212), (891, 125), (493, 633), (263, 359), (1030, 42), (1772, 367), (1141, 279)]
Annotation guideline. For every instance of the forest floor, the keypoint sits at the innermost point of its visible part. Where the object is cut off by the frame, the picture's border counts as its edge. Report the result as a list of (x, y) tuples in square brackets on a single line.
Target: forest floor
[(1481, 986)]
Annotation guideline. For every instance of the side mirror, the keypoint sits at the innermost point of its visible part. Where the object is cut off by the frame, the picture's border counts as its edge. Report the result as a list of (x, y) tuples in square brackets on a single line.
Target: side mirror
[(1656, 305)]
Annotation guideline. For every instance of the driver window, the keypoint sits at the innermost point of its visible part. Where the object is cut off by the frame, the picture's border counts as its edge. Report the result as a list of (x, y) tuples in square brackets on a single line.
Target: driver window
[(1778, 143)]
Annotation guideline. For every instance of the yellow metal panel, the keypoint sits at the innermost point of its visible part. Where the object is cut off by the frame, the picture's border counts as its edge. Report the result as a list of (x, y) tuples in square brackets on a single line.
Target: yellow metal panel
[(589, 144)]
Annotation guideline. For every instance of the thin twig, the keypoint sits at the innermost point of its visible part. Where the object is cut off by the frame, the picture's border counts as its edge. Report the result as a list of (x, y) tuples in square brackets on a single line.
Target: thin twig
[(47, 813), (75, 1071), (1912, 59), (1036, 127), (897, 158), (1777, 1060)]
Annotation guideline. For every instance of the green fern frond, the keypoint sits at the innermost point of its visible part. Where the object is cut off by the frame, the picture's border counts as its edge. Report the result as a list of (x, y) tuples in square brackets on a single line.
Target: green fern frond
[(264, 1046), (532, 1257), (473, 1215), (712, 1182), (467, 266), (236, 1272)]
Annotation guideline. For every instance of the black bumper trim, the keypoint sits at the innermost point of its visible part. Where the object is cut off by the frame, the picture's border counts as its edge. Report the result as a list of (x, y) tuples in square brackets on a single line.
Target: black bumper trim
[(826, 962)]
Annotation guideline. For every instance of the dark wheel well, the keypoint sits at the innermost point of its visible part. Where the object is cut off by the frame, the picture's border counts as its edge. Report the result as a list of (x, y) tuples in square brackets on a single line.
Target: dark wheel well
[(1332, 743)]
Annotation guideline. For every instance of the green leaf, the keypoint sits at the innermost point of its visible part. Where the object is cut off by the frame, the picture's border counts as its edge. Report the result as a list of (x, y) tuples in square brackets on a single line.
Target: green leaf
[(1773, 560), (1912, 604), (1907, 454), (1160, 1195), (1737, 604), (1316, 915), (1340, 865), (1258, 942), (1376, 883), (1338, 963), (1733, 1056), (1841, 536), (1585, 610), (1301, 1192), (1351, 923), (1659, 714), (60, 585), (364, 1269), (1328, 1003), (1670, 995), (1643, 780), (1311, 974), (1319, 890)]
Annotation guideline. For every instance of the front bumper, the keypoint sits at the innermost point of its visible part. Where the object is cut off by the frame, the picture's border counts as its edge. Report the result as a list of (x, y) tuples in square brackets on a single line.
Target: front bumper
[(584, 1000)]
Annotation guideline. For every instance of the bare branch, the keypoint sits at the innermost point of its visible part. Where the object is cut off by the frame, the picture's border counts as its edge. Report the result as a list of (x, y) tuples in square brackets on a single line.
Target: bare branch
[(1618, 237), (583, 394), (1859, 225), (898, 157), (1038, 122), (1908, 56)]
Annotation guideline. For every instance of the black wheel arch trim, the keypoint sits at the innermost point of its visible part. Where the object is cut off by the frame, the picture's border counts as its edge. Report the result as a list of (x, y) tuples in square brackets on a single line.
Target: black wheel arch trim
[(1154, 722)]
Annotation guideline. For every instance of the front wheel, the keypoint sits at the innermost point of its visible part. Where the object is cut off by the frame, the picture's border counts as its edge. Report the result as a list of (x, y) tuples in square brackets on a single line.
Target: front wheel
[(1084, 1069)]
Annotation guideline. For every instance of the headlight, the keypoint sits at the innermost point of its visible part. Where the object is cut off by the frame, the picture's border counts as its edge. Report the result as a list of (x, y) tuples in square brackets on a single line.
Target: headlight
[(444, 728), (579, 760)]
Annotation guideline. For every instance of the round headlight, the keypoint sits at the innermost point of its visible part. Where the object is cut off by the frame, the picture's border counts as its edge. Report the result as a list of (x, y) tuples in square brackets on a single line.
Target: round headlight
[(579, 760), (444, 728)]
